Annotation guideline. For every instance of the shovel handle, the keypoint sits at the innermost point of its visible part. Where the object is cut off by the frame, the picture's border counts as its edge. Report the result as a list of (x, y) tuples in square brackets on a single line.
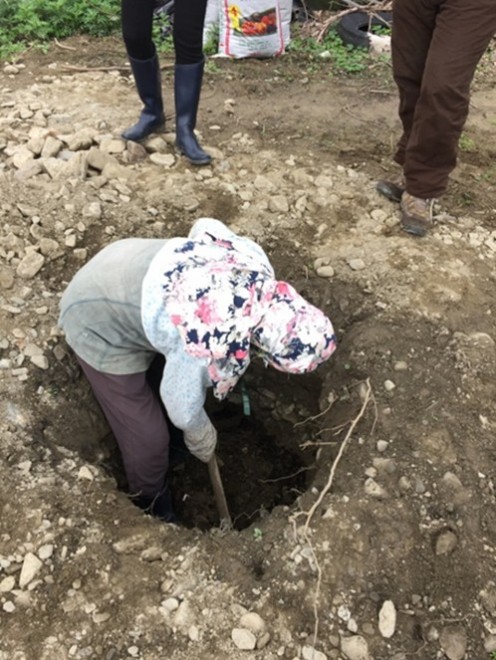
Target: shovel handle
[(220, 498)]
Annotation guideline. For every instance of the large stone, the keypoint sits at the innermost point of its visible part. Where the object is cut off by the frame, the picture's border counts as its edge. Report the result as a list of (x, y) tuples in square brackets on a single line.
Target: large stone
[(30, 265)]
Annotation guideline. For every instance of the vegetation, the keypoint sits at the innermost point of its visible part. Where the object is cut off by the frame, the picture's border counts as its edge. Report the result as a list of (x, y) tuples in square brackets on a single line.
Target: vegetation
[(27, 22), (343, 58)]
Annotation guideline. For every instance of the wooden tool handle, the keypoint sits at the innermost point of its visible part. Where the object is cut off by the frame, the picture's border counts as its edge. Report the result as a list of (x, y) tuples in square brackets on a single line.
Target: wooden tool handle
[(220, 498)]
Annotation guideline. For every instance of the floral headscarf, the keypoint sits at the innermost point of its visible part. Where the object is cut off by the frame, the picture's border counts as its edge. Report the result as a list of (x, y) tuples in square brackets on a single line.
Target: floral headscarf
[(221, 294)]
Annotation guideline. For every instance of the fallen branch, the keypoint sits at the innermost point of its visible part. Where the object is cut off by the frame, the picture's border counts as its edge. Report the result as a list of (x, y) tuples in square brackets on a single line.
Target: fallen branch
[(365, 402), (64, 46), (371, 7), (365, 396), (88, 69)]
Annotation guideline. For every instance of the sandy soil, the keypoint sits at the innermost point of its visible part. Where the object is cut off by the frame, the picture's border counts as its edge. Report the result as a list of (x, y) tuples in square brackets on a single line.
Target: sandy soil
[(364, 494)]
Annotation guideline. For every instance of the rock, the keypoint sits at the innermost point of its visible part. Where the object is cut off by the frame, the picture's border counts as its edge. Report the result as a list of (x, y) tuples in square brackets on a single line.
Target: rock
[(387, 619), (30, 265), (453, 641), (194, 633), (244, 639), (170, 604), (183, 617), (355, 648), (263, 640), (45, 551), (30, 568), (446, 542), (92, 210), (490, 644), (6, 278), (373, 489), (325, 271), (278, 204), (165, 160), (7, 584), (253, 622), (389, 386), (309, 653), (51, 147), (8, 607), (85, 473), (40, 361), (356, 264)]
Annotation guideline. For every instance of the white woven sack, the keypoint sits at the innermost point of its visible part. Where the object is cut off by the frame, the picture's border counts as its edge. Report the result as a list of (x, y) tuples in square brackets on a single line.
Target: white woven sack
[(250, 28)]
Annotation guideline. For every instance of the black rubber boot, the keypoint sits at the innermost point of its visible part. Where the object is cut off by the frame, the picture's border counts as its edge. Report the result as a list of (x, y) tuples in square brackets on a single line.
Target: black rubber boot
[(149, 85), (159, 506), (187, 87)]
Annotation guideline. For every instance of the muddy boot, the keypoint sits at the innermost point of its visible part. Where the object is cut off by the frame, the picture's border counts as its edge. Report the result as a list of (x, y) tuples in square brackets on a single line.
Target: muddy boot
[(416, 214), (159, 506), (148, 83), (392, 190), (187, 87)]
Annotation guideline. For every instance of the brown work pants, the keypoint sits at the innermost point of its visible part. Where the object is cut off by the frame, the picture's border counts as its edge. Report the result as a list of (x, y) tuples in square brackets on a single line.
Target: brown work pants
[(136, 417), (436, 46)]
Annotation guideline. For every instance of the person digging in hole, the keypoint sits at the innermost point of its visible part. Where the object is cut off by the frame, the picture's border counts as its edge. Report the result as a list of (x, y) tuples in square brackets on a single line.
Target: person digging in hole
[(187, 34), (436, 46), (202, 302)]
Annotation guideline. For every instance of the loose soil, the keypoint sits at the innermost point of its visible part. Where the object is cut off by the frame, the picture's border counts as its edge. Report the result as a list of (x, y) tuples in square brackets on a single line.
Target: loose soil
[(369, 482)]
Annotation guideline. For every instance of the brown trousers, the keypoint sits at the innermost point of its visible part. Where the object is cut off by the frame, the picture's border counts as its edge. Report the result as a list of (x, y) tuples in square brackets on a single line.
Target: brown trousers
[(136, 417), (436, 46)]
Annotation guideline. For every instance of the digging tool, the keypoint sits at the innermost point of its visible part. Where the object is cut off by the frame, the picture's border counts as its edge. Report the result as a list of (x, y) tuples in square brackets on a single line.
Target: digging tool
[(220, 498)]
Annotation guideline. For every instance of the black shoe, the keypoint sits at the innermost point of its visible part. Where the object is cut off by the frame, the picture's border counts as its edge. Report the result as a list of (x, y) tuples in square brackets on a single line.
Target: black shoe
[(187, 87), (148, 83)]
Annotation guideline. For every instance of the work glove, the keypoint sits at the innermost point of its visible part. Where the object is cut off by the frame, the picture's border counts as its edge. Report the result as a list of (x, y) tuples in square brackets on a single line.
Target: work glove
[(202, 443)]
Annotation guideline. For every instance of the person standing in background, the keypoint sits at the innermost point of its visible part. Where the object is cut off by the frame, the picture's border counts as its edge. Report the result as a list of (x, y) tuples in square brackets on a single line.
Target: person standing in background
[(137, 24), (436, 47)]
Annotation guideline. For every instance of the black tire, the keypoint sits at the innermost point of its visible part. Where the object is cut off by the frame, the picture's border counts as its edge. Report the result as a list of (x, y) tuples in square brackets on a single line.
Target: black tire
[(353, 27)]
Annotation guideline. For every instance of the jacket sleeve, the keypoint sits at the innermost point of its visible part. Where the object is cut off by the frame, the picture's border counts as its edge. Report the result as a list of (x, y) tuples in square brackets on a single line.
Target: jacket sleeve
[(183, 391)]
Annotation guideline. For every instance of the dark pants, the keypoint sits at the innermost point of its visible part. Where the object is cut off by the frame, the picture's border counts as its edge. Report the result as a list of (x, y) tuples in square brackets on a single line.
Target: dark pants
[(189, 17), (137, 419), (436, 46)]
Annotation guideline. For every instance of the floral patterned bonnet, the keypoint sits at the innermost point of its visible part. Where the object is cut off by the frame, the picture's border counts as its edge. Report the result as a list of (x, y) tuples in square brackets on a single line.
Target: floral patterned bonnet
[(221, 294)]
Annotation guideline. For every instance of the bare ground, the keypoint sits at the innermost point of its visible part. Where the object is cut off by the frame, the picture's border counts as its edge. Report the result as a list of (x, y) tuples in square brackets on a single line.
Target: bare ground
[(406, 515)]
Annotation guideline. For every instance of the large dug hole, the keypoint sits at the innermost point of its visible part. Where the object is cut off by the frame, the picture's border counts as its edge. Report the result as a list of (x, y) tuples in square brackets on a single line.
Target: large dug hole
[(261, 429)]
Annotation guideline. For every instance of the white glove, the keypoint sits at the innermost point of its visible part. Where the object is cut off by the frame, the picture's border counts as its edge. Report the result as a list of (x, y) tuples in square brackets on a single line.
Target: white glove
[(202, 443)]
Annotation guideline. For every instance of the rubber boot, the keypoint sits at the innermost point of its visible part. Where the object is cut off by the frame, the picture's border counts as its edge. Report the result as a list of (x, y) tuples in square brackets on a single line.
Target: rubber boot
[(149, 85), (159, 506), (187, 87)]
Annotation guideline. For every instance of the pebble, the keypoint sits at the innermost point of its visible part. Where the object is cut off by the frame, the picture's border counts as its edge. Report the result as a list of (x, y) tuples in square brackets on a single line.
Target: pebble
[(387, 619), (382, 445), (490, 644), (253, 622), (244, 639), (355, 648), (8, 606), (453, 641), (7, 584), (30, 568), (325, 271), (45, 551), (356, 264), (389, 386), (30, 265), (446, 542), (309, 653), (374, 489)]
